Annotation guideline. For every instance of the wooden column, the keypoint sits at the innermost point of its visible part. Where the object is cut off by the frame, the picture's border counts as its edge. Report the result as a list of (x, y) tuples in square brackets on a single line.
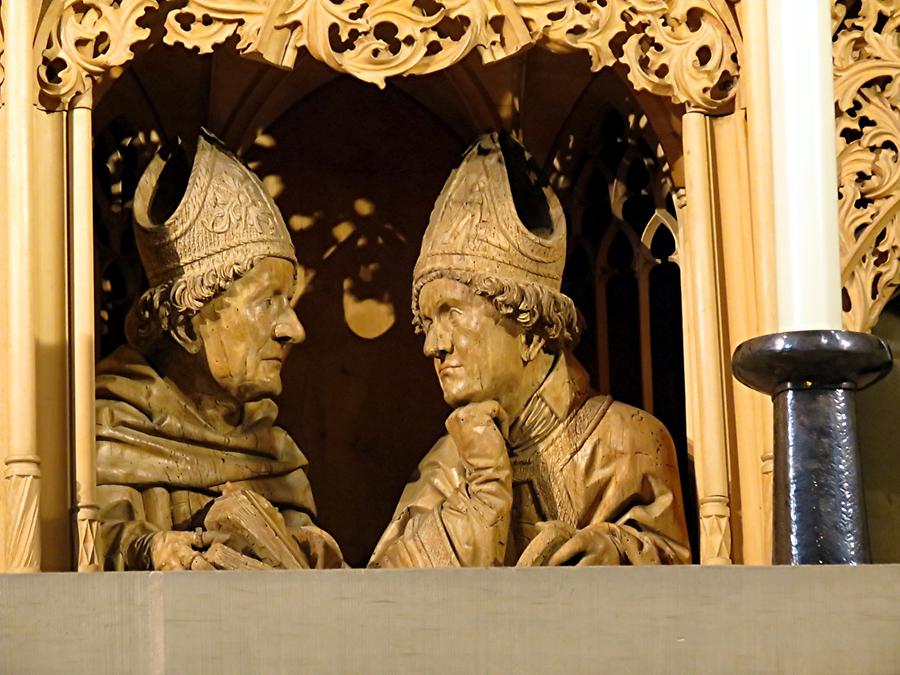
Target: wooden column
[(22, 465), (81, 257), (50, 315), (36, 502), (754, 102), (749, 430), (4, 333), (704, 344)]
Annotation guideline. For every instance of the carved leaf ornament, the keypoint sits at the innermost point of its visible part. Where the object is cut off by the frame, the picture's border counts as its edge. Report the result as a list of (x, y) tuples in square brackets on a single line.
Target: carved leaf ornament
[(85, 39), (867, 92), (682, 49)]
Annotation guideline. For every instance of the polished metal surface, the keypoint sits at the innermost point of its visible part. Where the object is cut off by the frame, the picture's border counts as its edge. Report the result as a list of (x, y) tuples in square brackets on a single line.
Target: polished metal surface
[(818, 508), (811, 359)]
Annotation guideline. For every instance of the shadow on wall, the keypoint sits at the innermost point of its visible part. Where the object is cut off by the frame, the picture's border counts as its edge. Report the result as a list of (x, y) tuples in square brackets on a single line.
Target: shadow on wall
[(879, 429), (356, 188)]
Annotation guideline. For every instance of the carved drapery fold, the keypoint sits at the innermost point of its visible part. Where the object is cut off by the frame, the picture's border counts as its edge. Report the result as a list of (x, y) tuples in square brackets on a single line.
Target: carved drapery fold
[(681, 49), (867, 92)]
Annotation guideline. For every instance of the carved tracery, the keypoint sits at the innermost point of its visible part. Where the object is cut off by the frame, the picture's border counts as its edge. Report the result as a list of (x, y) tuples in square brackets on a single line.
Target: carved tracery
[(83, 40), (867, 92), (682, 49), (624, 272)]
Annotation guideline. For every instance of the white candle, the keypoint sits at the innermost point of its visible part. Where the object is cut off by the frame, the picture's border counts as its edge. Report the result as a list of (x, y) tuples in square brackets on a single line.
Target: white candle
[(804, 167)]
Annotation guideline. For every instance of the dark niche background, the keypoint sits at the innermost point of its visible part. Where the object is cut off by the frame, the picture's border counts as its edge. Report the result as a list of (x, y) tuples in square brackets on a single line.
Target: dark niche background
[(361, 169)]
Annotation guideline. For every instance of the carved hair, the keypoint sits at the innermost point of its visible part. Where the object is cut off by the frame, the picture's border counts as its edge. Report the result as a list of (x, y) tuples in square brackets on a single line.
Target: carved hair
[(538, 309), (170, 306)]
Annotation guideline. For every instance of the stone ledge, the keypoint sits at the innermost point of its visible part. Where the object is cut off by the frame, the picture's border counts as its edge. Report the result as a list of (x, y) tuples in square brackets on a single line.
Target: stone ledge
[(615, 620)]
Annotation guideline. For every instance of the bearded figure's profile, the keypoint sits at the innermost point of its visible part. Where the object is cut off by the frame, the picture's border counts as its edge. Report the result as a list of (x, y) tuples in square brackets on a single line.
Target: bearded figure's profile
[(192, 471), (537, 468)]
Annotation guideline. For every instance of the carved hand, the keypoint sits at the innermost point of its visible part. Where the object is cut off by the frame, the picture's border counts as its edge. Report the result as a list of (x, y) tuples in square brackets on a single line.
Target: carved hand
[(592, 545), (320, 547), (171, 550), (479, 431), (551, 536)]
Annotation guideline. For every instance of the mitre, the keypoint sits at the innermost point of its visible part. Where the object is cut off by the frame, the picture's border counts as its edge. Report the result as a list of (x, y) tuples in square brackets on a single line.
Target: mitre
[(496, 216), (219, 217)]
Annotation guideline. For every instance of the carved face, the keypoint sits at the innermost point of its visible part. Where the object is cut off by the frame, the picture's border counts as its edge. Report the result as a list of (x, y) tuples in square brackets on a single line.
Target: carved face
[(247, 331), (478, 355)]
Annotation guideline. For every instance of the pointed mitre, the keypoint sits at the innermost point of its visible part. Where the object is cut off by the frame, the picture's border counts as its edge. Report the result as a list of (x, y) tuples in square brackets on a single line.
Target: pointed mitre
[(497, 217), (221, 218)]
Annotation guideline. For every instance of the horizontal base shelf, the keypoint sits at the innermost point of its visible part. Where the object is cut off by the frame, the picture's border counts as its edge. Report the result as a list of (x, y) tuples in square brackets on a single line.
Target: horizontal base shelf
[(692, 619)]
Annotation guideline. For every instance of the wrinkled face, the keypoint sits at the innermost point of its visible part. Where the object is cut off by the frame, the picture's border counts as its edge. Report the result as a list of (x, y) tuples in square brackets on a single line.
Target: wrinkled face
[(477, 354), (247, 331)]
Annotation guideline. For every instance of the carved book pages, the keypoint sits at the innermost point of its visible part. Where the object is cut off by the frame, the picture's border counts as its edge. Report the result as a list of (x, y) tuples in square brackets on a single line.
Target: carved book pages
[(255, 528)]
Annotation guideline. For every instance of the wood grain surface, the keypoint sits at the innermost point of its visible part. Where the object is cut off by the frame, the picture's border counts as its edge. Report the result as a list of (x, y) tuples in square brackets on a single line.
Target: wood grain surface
[(612, 620)]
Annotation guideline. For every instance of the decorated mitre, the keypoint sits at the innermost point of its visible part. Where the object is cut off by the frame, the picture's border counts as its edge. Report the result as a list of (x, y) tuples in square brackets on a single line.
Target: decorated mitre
[(223, 217), (476, 227)]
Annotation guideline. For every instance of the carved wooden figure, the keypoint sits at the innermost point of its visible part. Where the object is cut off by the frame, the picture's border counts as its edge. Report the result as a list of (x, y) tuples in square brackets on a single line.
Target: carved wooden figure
[(537, 468), (189, 458)]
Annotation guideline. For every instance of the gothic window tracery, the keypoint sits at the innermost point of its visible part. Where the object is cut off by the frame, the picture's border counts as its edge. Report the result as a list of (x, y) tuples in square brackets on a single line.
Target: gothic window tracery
[(622, 272)]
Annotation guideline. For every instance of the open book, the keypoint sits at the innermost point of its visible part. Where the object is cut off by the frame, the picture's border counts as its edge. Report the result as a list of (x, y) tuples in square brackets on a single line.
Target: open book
[(256, 533), (221, 557)]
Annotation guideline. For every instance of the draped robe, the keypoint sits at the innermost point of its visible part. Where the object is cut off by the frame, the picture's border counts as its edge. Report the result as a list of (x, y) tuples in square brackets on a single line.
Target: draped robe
[(577, 457), (161, 461)]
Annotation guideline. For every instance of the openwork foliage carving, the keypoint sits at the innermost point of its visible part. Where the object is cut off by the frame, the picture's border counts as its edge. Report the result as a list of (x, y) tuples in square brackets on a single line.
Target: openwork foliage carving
[(867, 91), (82, 40), (371, 40), (682, 49)]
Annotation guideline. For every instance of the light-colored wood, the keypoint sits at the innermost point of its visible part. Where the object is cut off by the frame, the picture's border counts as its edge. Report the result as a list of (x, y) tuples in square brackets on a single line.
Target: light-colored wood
[(50, 311), (657, 51), (659, 39), (535, 468), (644, 266), (692, 399), (748, 433), (260, 39), (709, 442), (755, 102), (766, 620), (81, 289), (744, 427), (22, 477), (186, 406), (867, 73), (4, 341)]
